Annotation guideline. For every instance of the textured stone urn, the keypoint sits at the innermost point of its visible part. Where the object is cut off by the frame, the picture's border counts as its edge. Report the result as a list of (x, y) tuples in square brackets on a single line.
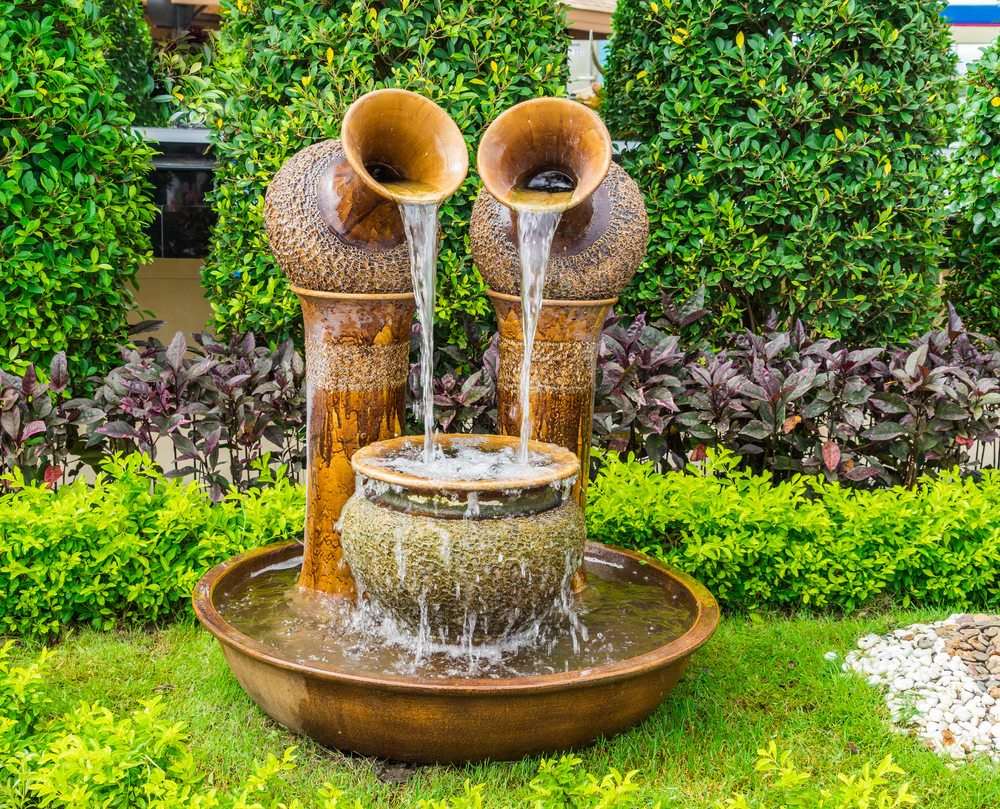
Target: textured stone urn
[(334, 226), (599, 243), (464, 559)]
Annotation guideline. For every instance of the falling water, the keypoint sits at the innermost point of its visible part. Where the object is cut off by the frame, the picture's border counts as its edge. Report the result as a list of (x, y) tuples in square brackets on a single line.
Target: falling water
[(420, 224), (535, 230)]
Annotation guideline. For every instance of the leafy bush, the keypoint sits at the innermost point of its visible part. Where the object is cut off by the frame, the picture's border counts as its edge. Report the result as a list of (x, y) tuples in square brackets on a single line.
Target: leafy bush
[(465, 388), (22, 700), (789, 155), (128, 47), (89, 757), (787, 403), (223, 404), (562, 785), (973, 284), (73, 190), (37, 423), (283, 76), (178, 66), (130, 547), (868, 788), (755, 542)]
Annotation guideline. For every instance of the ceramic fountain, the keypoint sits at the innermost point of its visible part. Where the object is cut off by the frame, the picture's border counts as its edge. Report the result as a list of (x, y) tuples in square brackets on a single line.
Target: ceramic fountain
[(445, 604)]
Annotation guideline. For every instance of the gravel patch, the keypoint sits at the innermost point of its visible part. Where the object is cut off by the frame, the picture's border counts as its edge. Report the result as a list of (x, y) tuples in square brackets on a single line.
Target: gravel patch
[(942, 681)]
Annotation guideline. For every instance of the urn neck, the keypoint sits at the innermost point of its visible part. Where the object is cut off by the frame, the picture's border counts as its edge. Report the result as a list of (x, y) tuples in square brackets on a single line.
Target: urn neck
[(546, 154)]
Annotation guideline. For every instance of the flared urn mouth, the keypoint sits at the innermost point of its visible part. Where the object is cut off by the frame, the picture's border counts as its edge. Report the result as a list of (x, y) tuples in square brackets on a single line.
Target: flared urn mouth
[(404, 147), (546, 154)]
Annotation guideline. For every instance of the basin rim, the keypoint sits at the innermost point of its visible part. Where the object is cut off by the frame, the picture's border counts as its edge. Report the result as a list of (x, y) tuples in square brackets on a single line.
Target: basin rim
[(701, 629)]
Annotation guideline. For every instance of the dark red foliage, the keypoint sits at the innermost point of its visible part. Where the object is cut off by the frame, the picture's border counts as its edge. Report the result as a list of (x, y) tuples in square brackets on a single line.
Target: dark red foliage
[(783, 401)]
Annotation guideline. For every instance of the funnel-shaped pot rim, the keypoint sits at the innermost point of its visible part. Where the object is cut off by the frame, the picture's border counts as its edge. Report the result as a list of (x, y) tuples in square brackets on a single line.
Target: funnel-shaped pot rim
[(563, 464), (512, 130), (397, 113)]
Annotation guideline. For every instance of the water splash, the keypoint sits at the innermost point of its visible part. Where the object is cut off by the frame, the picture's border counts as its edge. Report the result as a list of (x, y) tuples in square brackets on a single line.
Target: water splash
[(420, 225), (535, 230), (613, 619), (472, 506), (471, 459)]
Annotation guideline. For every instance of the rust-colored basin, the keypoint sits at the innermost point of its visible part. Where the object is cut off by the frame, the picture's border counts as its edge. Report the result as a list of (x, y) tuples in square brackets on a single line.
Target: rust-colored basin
[(454, 720)]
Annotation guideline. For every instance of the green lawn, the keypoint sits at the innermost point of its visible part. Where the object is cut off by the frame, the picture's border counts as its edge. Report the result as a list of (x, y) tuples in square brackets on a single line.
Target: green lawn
[(759, 678)]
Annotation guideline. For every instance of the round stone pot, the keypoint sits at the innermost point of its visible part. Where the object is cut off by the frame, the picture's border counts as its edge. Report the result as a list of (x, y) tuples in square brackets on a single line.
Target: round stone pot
[(464, 561)]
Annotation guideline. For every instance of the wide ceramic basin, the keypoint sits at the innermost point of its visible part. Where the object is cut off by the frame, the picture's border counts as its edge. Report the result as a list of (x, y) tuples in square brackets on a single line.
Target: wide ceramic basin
[(411, 718)]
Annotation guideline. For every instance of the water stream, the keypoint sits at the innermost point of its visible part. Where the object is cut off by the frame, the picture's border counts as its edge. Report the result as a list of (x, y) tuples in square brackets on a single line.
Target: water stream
[(420, 224), (535, 230)]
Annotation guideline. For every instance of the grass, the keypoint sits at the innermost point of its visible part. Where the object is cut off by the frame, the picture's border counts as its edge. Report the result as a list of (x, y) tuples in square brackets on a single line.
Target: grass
[(760, 678)]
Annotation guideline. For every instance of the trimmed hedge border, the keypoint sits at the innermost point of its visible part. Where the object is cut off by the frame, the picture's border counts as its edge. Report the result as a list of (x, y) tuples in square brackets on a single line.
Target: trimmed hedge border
[(130, 547), (803, 543)]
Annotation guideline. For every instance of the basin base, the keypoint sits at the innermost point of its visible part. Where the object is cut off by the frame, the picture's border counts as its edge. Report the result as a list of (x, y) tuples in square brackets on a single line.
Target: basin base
[(428, 720)]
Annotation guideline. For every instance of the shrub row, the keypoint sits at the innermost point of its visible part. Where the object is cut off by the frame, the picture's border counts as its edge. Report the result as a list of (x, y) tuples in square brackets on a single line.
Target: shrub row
[(133, 546), (790, 157), (783, 401), (73, 190), (130, 547), (755, 542), (218, 409)]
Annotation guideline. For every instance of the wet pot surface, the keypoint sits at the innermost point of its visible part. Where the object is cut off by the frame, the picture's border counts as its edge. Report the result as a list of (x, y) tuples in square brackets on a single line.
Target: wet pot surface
[(642, 621), (462, 566)]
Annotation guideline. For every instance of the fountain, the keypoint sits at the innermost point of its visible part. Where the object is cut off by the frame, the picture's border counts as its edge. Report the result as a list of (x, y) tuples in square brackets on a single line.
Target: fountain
[(445, 604)]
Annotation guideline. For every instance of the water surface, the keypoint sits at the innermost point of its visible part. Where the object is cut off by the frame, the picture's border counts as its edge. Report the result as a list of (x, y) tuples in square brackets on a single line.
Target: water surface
[(619, 615)]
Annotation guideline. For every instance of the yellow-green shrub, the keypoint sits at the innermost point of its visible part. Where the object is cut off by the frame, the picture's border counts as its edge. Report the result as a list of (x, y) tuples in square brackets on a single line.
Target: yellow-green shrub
[(130, 547), (803, 542)]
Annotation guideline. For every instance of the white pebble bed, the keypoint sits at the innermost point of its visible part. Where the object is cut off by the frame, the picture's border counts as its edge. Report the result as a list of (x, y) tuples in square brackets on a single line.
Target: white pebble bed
[(930, 691)]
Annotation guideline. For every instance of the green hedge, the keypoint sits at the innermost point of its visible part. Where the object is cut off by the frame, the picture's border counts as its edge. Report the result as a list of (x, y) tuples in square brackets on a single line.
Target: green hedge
[(72, 190), (131, 547), (285, 72), (805, 543), (128, 47), (790, 157), (973, 285)]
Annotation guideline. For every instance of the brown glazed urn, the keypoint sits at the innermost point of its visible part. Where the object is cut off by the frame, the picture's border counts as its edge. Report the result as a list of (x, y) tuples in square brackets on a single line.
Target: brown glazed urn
[(334, 225), (599, 242), (331, 212), (602, 235)]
